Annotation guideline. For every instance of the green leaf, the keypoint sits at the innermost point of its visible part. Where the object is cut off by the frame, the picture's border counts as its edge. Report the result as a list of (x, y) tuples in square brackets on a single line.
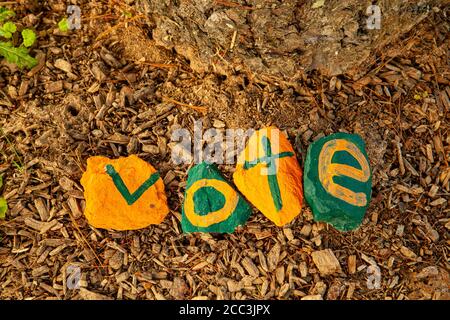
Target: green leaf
[(1, 181), (3, 207), (8, 29), (5, 14), (19, 55), (29, 37), (63, 25)]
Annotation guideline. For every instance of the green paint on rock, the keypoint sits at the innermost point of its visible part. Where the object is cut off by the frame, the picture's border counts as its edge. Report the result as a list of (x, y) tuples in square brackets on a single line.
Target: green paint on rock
[(338, 180), (208, 199), (207, 193)]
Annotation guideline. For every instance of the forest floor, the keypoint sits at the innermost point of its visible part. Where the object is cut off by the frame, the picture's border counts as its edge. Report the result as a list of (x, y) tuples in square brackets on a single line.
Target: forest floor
[(107, 90)]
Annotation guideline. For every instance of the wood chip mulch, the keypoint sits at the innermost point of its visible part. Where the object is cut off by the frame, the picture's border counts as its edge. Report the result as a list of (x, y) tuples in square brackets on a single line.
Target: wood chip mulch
[(104, 97)]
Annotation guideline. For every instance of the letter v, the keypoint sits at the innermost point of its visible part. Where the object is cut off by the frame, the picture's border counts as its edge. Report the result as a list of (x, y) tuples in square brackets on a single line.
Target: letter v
[(120, 185)]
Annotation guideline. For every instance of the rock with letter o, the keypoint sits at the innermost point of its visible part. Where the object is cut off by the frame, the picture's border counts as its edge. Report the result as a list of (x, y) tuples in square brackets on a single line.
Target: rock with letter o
[(338, 180), (211, 204)]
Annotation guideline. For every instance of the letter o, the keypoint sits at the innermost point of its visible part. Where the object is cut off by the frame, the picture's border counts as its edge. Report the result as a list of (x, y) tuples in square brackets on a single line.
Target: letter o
[(203, 221)]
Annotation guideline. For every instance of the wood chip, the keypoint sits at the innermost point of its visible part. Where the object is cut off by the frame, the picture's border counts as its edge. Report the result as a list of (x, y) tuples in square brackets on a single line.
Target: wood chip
[(42, 227), (262, 261), (438, 202), (273, 256), (85, 294), (250, 267), (433, 191), (306, 230), (400, 158), (312, 297), (54, 87), (413, 190), (42, 209), (279, 275), (234, 286), (326, 262), (408, 253), (74, 208), (63, 65), (288, 234), (352, 264), (39, 271), (427, 272)]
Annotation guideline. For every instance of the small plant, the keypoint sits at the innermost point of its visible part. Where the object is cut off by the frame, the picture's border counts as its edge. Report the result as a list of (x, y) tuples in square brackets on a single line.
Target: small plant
[(420, 95), (5, 14), (18, 164), (3, 203), (18, 55), (63, 25)]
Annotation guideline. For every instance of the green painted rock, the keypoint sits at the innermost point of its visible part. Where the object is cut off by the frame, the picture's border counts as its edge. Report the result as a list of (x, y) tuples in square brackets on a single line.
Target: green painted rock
[(211, 204), (338, 180)]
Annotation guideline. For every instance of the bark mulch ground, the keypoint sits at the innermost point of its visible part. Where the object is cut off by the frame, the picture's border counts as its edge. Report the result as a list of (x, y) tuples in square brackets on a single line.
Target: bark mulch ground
[(107, 90)]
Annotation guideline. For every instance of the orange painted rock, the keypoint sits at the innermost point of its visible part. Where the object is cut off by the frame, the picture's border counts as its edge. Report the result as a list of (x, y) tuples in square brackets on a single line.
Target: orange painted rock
[(269, 176), (123, 194)]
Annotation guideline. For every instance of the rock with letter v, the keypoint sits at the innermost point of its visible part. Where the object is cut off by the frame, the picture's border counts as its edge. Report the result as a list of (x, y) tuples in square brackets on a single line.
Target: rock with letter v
[(123, 194), (269, 176), (211, 204), (338, 180)]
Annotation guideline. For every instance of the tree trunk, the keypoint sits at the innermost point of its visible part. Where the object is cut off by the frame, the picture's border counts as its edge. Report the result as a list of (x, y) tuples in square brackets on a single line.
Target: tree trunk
[(281, 40)]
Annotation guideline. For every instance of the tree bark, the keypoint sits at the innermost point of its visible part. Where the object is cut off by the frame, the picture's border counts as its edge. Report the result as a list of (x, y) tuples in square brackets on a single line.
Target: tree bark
[(280, 40)]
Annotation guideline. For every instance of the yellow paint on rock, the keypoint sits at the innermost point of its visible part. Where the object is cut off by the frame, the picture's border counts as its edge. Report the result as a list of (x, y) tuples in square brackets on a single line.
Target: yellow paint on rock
[(253, 182), (203, 221), (328, 170), (107, 208)]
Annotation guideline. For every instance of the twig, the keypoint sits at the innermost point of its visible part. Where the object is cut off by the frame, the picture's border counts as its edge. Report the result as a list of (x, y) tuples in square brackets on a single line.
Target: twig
[(197, 108), (264, 103), (74, 222), (400, 158), (233, 40), (233, 5), (19, 166), (159, 65)]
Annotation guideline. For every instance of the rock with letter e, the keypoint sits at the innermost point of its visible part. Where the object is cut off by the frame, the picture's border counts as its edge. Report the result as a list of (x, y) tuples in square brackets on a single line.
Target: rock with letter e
[(211, 204), (338, 180), (269, 176)]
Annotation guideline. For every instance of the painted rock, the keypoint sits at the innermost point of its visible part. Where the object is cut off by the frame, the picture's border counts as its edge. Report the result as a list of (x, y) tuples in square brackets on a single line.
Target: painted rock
[(269, 176), (123, 194), (211, 204), (338, 180)]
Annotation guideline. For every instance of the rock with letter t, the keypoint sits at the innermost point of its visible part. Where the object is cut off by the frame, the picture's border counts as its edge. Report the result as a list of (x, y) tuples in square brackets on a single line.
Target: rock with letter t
[(211, 204), (338, 180), (123, 194), (269, 176)]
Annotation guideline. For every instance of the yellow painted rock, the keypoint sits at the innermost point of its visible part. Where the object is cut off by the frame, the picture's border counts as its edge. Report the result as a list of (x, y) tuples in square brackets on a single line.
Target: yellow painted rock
[(269, 176), (123, 194)]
